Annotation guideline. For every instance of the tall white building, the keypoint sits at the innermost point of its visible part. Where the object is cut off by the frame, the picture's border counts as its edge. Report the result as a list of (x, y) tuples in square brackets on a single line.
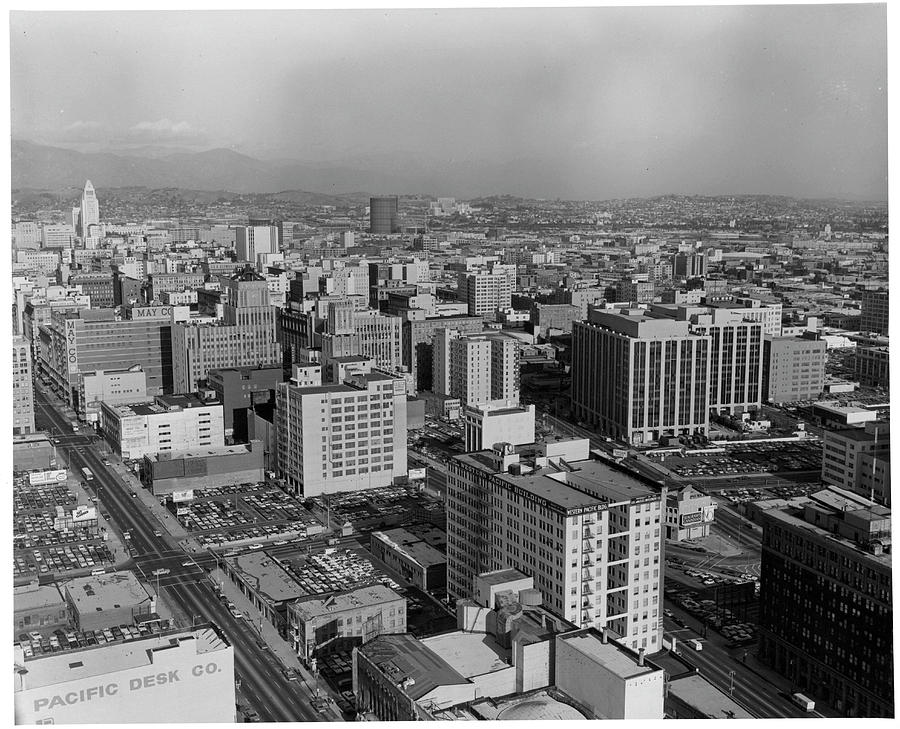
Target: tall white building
[(485, 292), (251, 240), (590, 535), (476, 368), (89, 213), (346, 437), (23, 387)]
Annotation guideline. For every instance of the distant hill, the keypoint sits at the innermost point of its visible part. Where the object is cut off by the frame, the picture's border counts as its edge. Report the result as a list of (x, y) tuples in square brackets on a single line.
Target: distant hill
[(41, 167)]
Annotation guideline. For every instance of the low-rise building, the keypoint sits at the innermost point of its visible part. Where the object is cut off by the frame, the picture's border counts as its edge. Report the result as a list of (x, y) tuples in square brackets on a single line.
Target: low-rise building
[(177, 676), (873, 366), (487, 424), (101, 601), (325, 622), (38, 608), (240, 389), (203, 468), (694, 697), (169, 423), (268, 585), (859, 460), (689, 514), (793, 369), (413, 557)]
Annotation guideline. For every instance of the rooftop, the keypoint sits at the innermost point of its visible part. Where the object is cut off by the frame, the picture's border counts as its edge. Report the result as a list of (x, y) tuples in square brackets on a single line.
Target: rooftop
[(50, 669), (416, 549), (471, 654), (33, 597), (699, 693), (231, 450), (266, 576), (314, 607), (402, 656), (612, 656), (102, 592)]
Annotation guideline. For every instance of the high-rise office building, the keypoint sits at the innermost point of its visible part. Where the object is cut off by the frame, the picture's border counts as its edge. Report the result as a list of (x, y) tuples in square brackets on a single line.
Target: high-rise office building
[(350, 331), (89, 214), (640, 378), (418, 335), (589, 535), (345, 437), (251, 240), (735, 360), (57, 236), (825, 603), (875, 310), (384, 216), (23, 387), (484, 292), (476, 368), (245, 337), (793, 369), (689, 265)]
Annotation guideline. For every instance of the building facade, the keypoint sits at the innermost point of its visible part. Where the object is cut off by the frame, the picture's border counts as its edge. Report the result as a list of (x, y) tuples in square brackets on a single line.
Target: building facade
[(638, 379), (875, 312), (825, 604), (246, 336), (589, 535), (169, 423), (794, 369), (859, 460), (346, 437), (384, 215), (22, 387)]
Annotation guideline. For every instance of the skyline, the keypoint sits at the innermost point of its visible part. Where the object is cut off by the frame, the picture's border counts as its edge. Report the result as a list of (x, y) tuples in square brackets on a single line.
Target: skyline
[(583, 103)]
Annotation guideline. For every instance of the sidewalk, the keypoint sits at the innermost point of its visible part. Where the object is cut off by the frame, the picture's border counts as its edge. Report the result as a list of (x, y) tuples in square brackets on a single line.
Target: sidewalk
[(281, 650)]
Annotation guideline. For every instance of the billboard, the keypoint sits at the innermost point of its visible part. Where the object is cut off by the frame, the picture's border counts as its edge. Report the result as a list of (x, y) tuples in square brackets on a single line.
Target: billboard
[(41, 478), (181, 496), (417, 474)]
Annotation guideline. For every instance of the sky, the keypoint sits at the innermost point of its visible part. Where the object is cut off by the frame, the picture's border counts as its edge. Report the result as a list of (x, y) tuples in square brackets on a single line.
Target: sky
[(591, 102)]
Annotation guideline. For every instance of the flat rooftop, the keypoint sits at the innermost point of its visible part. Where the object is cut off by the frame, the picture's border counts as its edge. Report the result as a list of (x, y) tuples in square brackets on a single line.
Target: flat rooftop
[(411, 546), (611, 655), (49, 669), (266, 576), (471, 654), (313, 607), (33, 597), (402, 656), (231, 450), (104, 592), (162, 404), (696, 691)]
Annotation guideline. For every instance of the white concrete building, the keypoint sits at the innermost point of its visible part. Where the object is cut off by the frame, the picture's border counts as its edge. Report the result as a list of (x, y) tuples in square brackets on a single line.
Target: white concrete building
[(346, 437), (114, 387), (487, 424), (589, 534), (251, 240), (169, 423), (477, 368), (175, 677)]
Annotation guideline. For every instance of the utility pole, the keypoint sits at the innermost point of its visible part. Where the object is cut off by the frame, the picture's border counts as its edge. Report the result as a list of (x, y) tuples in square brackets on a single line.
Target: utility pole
[(731, 683)]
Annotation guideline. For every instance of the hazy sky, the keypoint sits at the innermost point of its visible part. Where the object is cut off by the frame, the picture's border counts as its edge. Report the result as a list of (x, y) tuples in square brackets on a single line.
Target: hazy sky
[(605, 102)]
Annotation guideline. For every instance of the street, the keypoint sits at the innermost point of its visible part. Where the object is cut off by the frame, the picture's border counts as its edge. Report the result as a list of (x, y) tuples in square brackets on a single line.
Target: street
[(261, 681)]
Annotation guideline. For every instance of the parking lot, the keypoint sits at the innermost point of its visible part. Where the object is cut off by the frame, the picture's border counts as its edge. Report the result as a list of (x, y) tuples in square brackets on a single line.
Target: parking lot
[(383, 508), (45, 539), (35, 644), (748, 458), (740, 496), (242, 512)]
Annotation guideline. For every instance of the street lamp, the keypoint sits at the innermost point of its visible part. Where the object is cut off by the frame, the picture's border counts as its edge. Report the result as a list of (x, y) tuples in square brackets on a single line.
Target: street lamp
[(731, 683)]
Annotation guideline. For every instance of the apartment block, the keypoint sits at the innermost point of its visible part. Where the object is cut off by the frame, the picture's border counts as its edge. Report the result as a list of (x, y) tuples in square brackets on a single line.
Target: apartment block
[(417, 333), (872, 366), (639, 378), (346, 437), (589, 535), (825, 605)]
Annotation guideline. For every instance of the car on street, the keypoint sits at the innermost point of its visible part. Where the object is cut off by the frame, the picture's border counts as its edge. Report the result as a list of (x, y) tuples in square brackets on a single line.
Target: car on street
[(106, 462), (134, 494)]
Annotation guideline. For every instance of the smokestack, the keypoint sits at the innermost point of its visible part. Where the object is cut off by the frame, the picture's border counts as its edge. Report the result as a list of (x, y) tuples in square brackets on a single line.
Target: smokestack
[(641, 657)]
